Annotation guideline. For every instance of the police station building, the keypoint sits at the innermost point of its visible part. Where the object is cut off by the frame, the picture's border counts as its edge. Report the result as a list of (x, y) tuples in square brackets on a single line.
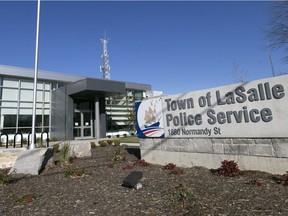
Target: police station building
[(68, 106)]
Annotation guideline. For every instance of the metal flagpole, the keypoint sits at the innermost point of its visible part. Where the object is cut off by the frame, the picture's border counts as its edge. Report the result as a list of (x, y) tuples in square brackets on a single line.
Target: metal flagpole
[(33, 145)]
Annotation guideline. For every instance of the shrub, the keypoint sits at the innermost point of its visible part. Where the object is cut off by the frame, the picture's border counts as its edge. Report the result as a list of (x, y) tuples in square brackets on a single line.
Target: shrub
[(27, 198), (173, 169), (169, 166), (109, 142), (177, 195), (112, 164), (228, 168), (284, 179), (116, 142), (93, 144), (65, 156), (75, 172), (117, 135), (125, 135), (117, 154), (102, 143), (109, 136), (56, 148), (4, 179)]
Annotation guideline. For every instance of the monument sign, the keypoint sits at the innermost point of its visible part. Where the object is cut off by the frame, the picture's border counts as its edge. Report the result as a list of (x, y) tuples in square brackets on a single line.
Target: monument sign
[(247, 110)]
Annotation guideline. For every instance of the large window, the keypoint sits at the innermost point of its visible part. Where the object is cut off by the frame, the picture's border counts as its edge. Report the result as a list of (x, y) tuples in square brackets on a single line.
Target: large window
[(9, 120), (16, 102), (25, 121)]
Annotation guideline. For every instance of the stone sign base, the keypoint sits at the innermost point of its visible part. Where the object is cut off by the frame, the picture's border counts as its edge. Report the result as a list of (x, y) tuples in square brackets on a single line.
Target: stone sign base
[(268, 155)]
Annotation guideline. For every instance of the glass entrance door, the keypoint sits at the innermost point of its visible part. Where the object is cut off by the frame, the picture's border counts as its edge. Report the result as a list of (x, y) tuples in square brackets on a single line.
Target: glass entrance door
[(82, 124)]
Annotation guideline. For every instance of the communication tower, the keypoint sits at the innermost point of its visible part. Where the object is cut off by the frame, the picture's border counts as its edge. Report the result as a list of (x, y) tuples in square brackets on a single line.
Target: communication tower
[(105, 68)]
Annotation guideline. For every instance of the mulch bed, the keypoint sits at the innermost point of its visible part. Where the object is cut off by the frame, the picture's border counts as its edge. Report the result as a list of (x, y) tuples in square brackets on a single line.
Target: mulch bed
[(97, 190)]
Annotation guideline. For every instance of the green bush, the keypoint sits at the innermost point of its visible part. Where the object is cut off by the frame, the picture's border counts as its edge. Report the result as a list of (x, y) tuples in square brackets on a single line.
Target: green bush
[(118, 154), (4, 179), (177, 195), (56, 148), (75, 172), (102, 143), (116, 142), (117, 135), (93, 144), (109, 142), (65, 156), (27, 198)]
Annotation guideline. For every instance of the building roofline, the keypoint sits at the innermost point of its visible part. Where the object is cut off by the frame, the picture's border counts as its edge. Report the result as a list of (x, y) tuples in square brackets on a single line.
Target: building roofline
[(42, 74), (14, 71)]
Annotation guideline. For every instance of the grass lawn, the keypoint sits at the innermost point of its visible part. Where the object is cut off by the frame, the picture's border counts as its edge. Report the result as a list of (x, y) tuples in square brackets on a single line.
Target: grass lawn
[(129, 139)]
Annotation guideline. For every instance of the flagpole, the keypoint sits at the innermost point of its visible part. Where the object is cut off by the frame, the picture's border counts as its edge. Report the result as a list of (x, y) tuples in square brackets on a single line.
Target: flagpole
[(33, 145)]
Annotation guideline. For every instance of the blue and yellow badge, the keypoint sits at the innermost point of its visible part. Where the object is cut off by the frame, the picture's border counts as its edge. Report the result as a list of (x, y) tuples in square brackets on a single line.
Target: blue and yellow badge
[(149, 118)]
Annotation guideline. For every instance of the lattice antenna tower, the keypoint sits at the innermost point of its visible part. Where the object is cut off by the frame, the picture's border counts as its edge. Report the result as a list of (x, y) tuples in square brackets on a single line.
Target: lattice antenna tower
[(105, 68)]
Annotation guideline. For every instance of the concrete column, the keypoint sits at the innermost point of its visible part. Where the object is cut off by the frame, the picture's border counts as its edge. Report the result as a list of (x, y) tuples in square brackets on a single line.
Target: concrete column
[(102, 117), (97, 118)]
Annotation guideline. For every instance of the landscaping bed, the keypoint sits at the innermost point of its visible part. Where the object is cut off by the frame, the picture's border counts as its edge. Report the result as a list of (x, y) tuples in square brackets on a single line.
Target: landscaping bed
[(93, 186)]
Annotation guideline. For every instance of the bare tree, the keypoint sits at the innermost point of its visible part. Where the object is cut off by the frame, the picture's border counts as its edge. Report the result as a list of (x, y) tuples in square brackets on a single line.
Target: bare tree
[(278, 32), (239, 75)]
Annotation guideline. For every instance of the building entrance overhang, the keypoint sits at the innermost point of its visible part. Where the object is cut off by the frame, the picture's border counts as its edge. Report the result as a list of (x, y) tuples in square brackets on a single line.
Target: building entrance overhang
[(89, 87)]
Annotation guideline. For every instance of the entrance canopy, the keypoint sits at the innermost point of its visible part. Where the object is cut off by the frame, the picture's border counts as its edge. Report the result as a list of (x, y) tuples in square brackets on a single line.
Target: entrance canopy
[(90, 87)]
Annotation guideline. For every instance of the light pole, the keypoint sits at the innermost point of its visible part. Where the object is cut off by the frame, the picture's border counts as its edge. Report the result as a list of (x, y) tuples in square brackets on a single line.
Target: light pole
[(33, 145)]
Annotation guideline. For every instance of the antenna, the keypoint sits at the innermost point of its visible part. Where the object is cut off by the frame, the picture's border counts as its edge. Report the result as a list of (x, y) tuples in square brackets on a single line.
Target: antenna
[(105, 68)]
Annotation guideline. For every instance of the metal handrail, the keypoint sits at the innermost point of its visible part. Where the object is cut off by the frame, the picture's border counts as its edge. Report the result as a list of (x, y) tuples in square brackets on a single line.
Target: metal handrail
[(15, 139), (47, 139), (6, 139)]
